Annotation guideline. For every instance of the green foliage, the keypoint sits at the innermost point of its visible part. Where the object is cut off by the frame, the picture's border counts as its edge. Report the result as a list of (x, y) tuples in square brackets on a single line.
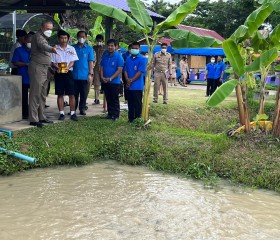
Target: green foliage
[(222, 92)]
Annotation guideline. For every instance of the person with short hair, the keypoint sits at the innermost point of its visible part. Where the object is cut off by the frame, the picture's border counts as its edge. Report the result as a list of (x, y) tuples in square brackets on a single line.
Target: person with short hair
[(210, 77), (99, 49), (110, 70), (173, 74), (20, 35), (37, 70), (162, 63), (21, 60), (134, 70), (83, 71), (64, 83), (184, 70), (220, 70)]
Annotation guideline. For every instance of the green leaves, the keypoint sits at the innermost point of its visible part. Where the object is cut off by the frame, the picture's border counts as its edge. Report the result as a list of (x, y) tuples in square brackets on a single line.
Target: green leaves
[(234, 57), (240, 34), (274, 37), (97, 28), (187, 39), (222, 92), (264, 60), (141, 15), (118, 14), (257, 18), (178, 15)]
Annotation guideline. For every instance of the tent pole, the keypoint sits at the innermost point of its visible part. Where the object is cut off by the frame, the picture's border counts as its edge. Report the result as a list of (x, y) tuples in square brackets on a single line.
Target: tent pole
[(14, 26)]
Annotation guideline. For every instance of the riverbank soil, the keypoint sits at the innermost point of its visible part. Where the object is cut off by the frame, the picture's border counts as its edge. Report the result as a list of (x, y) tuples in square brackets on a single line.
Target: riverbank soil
[(186, 137)]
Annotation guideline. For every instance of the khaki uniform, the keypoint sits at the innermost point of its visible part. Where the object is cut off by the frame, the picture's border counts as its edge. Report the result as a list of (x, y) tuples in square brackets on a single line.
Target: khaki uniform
[(173, 75), (162, 63), (37, 70), (184, 69)]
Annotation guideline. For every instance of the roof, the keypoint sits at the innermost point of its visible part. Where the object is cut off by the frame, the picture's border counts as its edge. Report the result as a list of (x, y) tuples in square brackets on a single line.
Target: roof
[(188, 51), (201, 31), (120, 4)]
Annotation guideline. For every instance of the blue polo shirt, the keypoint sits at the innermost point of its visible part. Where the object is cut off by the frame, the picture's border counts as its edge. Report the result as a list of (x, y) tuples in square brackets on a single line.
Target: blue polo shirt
[(110, 64), (211, 67), (134, 65), (220, 66), (80, 68), (22, 54)]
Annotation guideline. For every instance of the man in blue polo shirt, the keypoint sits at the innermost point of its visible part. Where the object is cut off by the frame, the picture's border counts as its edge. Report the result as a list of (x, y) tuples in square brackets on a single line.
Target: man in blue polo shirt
[(83, 71), (21, 59), (134, 71), (220, 69), (210, 76), (110, 70)]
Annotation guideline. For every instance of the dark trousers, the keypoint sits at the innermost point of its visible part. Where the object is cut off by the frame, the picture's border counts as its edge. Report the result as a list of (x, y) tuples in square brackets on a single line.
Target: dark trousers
[(25, 88), (211, 86), (81, 90), (134, 102), (112, 97), (123, 87)]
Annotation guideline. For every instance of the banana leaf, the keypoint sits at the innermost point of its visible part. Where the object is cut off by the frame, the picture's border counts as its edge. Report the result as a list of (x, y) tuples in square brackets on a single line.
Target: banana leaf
[(187, 39), (97, 28), (274, 37), (222, 92), (177, 16), (259, 42), (240, 34), (234, 57), (118, 14), (140, 13), (257, 18), (264, 60)]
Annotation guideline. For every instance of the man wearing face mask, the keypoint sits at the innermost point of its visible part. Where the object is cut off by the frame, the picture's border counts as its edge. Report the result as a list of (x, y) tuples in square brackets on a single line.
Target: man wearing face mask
[(210, 77), (99, 49), (162, 63), (134, 70), (83, 71), (21, 59), (37, 69)]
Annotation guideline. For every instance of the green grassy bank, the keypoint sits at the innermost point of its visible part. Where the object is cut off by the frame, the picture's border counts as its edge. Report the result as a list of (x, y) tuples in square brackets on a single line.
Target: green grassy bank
[(186, 137)]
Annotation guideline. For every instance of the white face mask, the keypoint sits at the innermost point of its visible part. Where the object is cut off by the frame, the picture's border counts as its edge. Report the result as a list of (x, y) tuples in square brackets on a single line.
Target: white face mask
[(100, 43), (163, 50), (28, 45), (81, 40), (212, 60), (48, 33)]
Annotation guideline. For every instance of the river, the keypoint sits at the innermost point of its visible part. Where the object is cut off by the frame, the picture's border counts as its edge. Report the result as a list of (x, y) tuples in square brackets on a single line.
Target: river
[(107, 201)]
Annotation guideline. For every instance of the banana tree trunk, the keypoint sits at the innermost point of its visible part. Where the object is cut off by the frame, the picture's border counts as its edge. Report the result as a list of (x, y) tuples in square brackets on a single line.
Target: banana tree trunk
[(246, 109), (262, 92), (276, 120), (240, 104)]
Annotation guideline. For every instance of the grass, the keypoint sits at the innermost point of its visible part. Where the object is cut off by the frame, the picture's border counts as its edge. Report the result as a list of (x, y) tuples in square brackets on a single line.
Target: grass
[(186, 138)]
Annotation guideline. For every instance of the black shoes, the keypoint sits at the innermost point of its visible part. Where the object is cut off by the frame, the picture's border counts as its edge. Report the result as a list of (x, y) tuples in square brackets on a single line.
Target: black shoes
[(155, 101), (96, 101), (115, 118), (36, 124), (83, 113), (164, 102), (66, 104), (46, 121), (106, 117), (74, 117), (61, 117)]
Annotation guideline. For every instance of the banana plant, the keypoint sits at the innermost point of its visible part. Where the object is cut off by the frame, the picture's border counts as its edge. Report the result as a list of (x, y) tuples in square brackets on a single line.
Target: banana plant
[(141, 21), (238, 49)]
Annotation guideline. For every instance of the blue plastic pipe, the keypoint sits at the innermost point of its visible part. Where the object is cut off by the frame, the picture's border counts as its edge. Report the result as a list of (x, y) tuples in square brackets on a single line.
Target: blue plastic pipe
[(18, 155)]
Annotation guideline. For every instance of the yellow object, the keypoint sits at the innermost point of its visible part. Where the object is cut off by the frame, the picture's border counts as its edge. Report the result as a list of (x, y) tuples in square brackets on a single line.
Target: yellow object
[(62, 67), (263, 125)]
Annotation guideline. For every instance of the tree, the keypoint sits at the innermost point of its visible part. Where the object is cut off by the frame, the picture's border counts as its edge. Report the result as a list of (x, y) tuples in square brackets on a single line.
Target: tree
[(142, 22)]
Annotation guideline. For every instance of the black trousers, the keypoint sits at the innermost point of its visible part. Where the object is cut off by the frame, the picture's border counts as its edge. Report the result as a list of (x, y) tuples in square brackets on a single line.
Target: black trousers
[(112, 97), (25, 88), (81, 91), (211, 86), (124, 89), (134, 102)]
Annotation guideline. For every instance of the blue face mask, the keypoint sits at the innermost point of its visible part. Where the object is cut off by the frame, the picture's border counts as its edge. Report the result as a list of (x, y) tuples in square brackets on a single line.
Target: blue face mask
[(134, 51)]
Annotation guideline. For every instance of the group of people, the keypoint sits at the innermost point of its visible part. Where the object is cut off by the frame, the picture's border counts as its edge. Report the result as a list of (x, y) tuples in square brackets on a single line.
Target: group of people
[(77, 67), (214, 74)]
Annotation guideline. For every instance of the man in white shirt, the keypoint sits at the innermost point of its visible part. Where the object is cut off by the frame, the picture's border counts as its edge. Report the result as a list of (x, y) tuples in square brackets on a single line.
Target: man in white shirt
[(64, 83)]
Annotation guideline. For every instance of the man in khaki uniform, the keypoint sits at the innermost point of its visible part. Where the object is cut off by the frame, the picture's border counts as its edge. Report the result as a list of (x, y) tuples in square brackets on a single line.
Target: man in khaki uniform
[(99, 49), (162, 63), (37, 70)]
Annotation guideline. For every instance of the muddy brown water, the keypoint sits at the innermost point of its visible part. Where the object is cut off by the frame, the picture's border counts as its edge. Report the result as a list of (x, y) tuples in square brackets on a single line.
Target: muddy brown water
[(111, 201)]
